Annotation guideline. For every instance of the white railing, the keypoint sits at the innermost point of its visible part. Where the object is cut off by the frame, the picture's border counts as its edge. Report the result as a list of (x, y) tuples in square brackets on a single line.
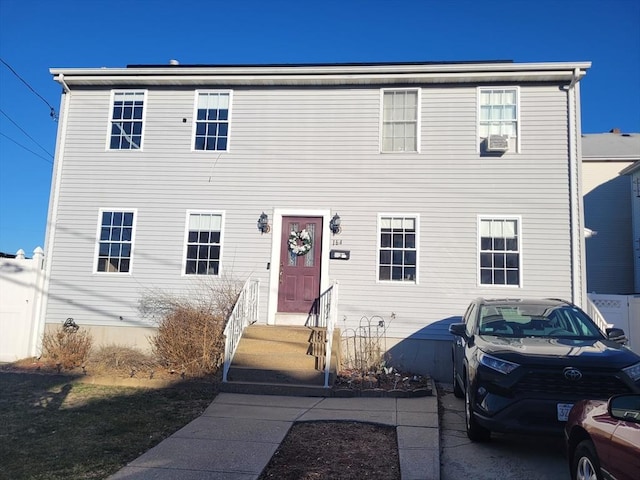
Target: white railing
[(597, 317), (244, 314), (327, 318)]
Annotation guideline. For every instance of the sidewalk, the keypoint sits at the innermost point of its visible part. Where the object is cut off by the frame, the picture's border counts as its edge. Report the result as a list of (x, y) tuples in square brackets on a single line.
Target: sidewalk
[(237, 435)]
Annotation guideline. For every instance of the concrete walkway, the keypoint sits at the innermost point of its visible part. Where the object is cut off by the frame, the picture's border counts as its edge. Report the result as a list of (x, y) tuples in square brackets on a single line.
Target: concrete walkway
[(237, 435)]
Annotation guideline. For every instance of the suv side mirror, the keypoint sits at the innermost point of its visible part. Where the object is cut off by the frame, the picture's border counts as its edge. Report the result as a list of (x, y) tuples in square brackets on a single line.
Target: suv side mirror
[(617, 335), (625, 407), (458, 329)]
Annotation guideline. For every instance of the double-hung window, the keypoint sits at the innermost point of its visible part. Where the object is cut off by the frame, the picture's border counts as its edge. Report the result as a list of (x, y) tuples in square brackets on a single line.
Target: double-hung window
[(498, 109), (400, 120), (398, 252), (127, 118), (500, 251), (115, 241), (204, 241), (212, 121)]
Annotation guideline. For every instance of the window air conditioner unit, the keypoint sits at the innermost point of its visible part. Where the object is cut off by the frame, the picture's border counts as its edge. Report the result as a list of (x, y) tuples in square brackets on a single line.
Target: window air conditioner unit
[(497, 143)]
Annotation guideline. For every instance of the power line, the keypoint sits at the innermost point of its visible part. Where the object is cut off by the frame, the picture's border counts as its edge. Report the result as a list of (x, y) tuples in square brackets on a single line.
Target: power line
[(27, 149), (22, 130), (52, 111)]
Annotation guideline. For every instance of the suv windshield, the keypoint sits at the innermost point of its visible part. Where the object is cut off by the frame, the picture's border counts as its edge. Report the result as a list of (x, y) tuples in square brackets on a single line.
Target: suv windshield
[(542, 321)]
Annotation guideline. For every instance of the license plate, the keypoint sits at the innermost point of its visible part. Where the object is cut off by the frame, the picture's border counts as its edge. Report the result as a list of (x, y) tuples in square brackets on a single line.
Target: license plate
[(563, 411)]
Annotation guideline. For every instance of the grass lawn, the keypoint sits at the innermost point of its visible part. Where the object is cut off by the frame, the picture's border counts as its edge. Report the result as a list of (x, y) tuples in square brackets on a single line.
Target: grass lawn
[(52, 428)]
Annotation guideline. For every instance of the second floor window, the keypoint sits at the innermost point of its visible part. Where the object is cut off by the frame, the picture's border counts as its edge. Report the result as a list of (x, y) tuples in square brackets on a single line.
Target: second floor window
[(499, 112), (399, 121), (127, 120), (212, 121)]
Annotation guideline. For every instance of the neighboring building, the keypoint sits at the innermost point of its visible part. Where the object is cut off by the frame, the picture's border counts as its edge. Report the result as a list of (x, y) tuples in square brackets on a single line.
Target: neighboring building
[(633, 172), (451, 181), (607, 210)]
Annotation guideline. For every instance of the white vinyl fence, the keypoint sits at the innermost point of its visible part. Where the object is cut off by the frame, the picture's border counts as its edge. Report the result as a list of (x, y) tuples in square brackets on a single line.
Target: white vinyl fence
[(623, 311), (21, 282)]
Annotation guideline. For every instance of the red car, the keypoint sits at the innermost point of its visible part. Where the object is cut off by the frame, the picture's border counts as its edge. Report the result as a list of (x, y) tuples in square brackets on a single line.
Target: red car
[(603, 438)]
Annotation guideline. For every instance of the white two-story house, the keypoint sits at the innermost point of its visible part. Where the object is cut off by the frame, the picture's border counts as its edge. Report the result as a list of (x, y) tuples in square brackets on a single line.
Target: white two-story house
[(449, 181)]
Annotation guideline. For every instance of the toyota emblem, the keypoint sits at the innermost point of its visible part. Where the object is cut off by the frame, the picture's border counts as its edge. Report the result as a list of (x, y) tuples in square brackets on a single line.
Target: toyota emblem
[(572, 374)]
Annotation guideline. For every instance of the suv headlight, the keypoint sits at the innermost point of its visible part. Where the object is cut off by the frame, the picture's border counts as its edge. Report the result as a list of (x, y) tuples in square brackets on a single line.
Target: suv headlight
[(497, 364), (633, 371)]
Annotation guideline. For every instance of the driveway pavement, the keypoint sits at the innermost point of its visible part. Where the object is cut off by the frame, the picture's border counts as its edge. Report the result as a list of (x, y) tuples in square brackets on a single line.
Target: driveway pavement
[(237, 435), (505, 457)]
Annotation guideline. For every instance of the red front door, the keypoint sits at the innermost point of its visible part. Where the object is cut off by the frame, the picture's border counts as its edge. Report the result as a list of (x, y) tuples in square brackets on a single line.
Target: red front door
[(300, 254)]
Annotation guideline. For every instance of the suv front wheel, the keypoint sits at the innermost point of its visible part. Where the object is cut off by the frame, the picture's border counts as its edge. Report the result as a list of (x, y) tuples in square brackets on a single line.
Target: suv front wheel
[(475, 432)]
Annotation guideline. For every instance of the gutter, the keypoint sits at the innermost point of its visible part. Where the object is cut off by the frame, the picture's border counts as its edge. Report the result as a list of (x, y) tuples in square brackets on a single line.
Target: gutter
[(576, 211)]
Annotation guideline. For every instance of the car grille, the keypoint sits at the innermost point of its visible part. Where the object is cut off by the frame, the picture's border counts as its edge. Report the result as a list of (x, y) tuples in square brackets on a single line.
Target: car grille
[(591, 385)]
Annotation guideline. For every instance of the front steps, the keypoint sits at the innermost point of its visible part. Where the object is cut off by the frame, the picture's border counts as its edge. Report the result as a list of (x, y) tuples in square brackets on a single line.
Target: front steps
[(281, 360)]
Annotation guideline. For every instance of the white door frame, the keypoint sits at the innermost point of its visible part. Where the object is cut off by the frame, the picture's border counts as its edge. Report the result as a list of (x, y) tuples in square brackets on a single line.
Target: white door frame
[(274, 276)]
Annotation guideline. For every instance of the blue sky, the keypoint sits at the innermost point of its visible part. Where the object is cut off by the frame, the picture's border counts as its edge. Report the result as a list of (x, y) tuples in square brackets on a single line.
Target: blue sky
[(36, 35)]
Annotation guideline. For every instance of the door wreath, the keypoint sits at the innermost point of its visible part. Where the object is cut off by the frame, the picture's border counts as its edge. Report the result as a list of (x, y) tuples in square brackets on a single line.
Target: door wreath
[(300, 242)]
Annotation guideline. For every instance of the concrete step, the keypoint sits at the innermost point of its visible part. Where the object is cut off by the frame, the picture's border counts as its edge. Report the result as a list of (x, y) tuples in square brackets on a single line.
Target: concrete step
[(273, 360), (282, 376), (297, 390)]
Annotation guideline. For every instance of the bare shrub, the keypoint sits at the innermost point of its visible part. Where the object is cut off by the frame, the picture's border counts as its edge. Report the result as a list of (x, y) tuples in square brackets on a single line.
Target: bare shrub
[(66, 347), (190, 328), (118, 359)]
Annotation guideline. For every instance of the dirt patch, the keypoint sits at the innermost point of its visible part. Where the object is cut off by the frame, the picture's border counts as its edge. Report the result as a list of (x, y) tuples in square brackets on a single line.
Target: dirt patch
[(336, 450)]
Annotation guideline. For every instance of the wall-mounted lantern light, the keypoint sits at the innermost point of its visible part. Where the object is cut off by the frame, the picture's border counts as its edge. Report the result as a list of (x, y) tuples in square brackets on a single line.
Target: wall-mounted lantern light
[(263, 223), (334, 224)]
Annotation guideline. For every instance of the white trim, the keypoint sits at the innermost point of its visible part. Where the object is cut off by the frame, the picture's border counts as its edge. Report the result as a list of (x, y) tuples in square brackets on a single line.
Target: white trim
[(52, 218), (183, 262), (276, 232), (520, 235), (195, 120), (418, 120), (110, 119), (96, 253), (415, 216), (336, 74), (479, 138)]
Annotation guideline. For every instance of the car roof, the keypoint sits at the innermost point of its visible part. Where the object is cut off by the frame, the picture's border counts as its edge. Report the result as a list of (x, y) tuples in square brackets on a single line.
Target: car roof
[(523, 301)]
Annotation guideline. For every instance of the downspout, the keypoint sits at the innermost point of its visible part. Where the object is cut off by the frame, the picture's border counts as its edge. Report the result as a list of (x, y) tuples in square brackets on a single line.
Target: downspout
[(576, 212), (52, 216)]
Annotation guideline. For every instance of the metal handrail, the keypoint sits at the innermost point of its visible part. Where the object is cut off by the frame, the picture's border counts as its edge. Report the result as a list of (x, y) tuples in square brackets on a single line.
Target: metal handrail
[(598, 318), (245, 312), (327, 318)]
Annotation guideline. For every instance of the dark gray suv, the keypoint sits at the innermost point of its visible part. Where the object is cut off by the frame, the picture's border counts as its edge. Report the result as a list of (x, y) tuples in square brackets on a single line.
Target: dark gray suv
[(521, 364)]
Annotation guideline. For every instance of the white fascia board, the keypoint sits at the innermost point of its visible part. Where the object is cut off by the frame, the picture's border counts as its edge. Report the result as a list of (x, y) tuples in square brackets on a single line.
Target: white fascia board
[(325, 75)]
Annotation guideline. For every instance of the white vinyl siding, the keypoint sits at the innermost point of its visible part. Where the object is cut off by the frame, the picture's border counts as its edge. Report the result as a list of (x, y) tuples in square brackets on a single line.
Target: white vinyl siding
[(312, 148)]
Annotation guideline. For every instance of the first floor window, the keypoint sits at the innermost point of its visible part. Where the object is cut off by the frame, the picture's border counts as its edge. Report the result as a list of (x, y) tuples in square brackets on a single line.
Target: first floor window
[(398, 254), (499, 251), (115, 241), (399, 121), (203, 244)]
